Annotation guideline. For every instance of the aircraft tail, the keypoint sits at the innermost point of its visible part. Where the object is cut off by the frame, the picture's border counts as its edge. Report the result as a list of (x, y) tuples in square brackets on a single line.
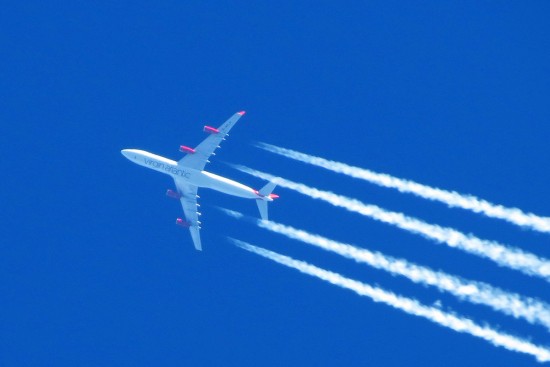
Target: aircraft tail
[(266, 191), (262, 207)]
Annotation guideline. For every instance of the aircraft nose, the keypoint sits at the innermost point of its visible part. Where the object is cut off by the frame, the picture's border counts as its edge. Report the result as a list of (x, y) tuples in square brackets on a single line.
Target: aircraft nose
[(126, 153)]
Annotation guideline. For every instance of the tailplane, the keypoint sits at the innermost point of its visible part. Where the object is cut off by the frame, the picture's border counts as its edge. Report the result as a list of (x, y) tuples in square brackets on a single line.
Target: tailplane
[(265, 196), (262, 207), (268, 188)]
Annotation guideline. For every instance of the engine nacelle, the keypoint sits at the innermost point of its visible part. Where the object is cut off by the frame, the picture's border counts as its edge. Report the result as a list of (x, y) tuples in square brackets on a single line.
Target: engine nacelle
[(182, 223), (211, 130), (172, 194), (187, 150)]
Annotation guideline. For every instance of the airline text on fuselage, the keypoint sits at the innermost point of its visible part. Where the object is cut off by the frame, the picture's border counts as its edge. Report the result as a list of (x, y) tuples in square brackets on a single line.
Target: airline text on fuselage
[(167, 168)]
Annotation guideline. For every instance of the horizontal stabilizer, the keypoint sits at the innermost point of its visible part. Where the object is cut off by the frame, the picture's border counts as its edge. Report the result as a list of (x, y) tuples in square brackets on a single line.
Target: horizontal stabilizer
[(262, 207), (266, 193), (268, 189)]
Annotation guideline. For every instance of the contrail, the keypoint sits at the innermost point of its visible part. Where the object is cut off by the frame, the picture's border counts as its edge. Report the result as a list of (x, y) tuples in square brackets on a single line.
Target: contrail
[(515, 305), (451, 198), (502, 255), (408, 305)]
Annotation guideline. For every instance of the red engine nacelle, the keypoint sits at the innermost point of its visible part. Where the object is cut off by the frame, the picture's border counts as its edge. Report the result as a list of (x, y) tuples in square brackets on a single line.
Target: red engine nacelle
[(211, 130), (172, 194), (183, 223), (187, 150)]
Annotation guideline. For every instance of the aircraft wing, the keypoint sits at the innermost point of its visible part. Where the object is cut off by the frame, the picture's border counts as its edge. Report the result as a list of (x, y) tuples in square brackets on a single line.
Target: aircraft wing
[(188, 201), (204, 150)]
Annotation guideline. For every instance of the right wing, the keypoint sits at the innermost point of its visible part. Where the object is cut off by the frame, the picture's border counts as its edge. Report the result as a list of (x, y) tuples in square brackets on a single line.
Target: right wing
[(189, 204), (204, 150)]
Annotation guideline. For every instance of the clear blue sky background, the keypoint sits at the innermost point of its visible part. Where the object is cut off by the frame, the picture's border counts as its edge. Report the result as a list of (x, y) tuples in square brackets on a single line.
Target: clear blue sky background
[(93, 271)]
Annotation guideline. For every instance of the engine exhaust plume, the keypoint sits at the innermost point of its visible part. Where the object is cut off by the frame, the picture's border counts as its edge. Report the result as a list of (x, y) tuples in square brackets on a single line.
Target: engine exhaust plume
[(450, 198), (501, 254), (408, 305), (508, 303)]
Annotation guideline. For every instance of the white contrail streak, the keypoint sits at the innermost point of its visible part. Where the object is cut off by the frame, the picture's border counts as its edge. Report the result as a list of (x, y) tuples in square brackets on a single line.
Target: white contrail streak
[(451, 198), (515, 305), (408, 305), (502, 255)]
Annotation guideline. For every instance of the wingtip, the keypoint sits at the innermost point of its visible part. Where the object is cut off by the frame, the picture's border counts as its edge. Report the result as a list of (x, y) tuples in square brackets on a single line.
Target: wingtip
[(241, 113)]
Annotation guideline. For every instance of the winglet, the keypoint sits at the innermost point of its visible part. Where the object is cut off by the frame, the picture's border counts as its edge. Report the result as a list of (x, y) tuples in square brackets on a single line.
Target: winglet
[(241, 113)]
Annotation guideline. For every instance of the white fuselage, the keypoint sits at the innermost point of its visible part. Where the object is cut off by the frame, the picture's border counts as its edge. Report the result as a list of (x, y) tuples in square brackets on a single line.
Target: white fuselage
[(191, 176)]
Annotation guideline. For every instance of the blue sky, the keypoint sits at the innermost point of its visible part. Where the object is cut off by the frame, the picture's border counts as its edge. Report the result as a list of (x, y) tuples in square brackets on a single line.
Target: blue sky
[(94, 272)]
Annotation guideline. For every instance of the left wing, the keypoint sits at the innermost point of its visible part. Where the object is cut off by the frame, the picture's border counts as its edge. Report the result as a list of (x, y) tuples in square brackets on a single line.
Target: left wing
[(199, 157), (188, 201)]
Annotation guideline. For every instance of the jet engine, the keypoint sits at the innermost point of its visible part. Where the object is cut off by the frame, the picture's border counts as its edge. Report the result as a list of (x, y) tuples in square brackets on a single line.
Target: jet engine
[(187, 150), (172, 194), (211, 130), (183, 223)]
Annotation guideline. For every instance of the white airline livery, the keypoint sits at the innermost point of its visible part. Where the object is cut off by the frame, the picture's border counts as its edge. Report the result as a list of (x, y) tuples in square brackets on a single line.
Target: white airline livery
[(188, 174)]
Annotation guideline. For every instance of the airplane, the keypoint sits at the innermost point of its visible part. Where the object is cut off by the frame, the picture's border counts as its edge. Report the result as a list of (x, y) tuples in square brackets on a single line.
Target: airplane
[(188, 174)]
